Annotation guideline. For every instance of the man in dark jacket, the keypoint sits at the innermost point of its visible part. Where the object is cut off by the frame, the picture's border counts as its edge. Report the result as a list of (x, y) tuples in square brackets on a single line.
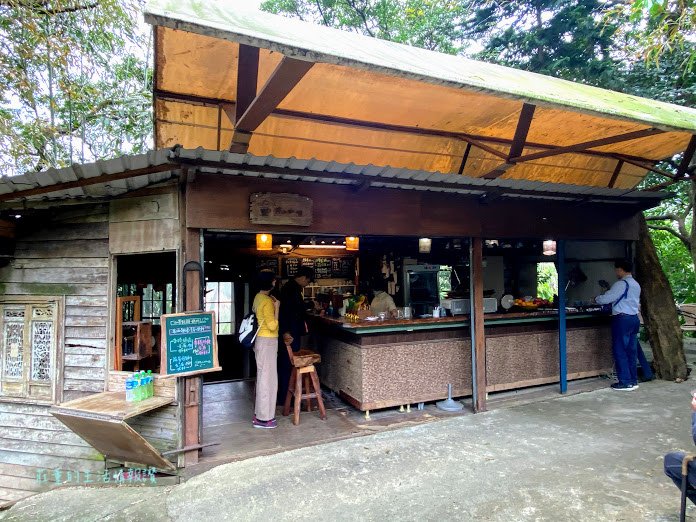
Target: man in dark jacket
[(673, 461), (293, 324)]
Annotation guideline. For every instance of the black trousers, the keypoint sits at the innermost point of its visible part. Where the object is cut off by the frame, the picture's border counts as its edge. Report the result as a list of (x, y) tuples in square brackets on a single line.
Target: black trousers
[(284, 367), (673, 463)]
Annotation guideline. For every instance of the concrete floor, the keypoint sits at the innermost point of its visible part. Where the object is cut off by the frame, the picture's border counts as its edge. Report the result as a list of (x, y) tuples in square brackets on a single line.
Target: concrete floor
[(592, 456)]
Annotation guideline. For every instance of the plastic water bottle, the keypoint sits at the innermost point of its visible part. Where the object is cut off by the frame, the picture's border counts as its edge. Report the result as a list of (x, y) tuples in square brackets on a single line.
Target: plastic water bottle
[(151, 383), (143, 385), (137, 389), (130, 385)]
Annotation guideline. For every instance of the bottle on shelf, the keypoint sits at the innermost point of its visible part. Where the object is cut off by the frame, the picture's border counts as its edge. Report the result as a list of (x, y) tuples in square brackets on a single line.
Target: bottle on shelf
[(151, 383), (143, 385), (130, 389)]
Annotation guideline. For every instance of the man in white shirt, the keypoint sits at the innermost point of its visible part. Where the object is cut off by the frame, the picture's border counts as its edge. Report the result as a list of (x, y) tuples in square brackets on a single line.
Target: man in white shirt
[(624, 297), (382, 302)]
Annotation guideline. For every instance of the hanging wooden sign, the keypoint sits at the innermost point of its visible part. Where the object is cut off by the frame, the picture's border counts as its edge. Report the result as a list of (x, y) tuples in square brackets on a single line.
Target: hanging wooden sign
[(280, 209)]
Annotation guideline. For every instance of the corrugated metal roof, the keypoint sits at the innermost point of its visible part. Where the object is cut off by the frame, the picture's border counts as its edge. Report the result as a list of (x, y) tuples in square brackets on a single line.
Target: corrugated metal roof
[(290, 169)]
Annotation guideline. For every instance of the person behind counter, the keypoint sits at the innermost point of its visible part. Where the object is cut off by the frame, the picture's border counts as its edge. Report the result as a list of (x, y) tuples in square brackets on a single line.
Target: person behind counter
[(266, 351), (293, 324), (624, 297), (382, 302)]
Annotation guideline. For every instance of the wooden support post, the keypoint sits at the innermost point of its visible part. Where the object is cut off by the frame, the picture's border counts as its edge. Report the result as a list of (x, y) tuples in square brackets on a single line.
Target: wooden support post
[(478, 339), (562, 334), (192, 385)]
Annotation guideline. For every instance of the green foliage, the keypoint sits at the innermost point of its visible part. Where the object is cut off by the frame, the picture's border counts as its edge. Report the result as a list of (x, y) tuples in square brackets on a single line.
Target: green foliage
[(547, 281), (432, 24), (74, 85), (566, 39), (677, 264), (662, 28)]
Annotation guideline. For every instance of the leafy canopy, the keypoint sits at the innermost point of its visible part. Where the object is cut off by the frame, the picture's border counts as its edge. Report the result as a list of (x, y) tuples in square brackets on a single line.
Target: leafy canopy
[(74, 82)]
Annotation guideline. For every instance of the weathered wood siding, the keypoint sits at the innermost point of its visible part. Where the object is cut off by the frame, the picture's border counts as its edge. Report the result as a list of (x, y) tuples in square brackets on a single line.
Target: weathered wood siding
[(69, 256), (159, 427)]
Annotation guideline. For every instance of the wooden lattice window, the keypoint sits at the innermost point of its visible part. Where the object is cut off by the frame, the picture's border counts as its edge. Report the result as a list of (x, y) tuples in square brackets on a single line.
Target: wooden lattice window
[(28, 346)]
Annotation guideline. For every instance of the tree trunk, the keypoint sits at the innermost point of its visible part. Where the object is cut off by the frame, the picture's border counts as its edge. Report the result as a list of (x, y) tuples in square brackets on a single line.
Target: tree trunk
[(659, 310)]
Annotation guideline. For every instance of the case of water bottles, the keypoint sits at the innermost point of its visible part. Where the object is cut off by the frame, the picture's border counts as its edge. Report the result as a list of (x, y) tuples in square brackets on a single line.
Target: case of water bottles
[(140, 386)]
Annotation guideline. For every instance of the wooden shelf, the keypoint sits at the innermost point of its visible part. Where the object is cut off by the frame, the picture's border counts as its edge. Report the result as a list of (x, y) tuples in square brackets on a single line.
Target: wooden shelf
[(112, 406)]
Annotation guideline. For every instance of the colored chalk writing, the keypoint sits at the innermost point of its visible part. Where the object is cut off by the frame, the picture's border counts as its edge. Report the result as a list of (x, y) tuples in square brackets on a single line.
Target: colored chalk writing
[(189, 341)]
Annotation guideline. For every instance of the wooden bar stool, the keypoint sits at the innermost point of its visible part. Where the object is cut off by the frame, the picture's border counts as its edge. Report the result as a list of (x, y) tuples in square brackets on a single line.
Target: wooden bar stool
[(303, 371)]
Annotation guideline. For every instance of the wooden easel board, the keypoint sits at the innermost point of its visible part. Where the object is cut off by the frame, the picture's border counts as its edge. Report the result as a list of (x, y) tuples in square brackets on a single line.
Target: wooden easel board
[(189, 344)]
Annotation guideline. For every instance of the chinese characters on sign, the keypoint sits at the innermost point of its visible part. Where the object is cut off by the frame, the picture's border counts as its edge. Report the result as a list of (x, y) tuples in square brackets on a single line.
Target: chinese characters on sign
[(120, 476), (280, 209)]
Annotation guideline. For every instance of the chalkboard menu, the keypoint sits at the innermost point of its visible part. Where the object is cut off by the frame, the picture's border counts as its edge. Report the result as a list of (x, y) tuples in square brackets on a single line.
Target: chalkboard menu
[(291, 264), (267, 263), (322, 268), (345, 268), (189, 344)]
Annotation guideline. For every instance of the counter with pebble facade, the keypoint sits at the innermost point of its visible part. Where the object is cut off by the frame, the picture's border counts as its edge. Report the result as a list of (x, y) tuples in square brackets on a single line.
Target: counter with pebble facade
[(373, 365)]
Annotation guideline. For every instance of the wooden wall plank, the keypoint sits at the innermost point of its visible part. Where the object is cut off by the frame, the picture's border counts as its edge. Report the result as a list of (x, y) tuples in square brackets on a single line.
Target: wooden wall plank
[(85, 360), (144, 236), (61, 262), (86, 300), (69, 232), (50, 461), (49, 289), (87, 311), (67, 437), (154, 207), (10, 274), (66, 249)]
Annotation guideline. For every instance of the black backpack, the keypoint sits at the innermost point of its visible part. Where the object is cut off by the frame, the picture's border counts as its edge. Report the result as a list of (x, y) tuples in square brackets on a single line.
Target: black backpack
[(248, 330)]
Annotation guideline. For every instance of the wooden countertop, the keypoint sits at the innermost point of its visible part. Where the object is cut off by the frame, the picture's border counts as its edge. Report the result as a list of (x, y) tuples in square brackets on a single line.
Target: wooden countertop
[(446, 322)]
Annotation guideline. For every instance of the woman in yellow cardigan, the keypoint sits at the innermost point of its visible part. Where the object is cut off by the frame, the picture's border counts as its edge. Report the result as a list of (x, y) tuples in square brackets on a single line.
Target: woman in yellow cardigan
[(266, 350)]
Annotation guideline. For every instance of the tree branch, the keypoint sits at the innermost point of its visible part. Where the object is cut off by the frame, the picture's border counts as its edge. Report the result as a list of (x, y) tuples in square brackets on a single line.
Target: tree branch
[(321, 12), (361, 14), (676, 234), (42, 9), (663, 217)]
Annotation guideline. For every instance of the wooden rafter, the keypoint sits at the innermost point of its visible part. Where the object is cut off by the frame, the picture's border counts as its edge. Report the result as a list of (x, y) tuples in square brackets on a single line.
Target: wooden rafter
[(615, 174), (518, 141), (286, 75), (689, 155), (420, 131), (465, 158), (628, 136), (247, 79), (522, 130)]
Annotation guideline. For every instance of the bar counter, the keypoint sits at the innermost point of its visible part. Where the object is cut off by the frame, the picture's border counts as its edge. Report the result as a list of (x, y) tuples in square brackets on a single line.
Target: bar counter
[(382, 364)]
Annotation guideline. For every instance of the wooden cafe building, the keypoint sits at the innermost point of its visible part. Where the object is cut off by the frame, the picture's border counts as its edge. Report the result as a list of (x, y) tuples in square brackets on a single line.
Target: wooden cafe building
[(279, 145)]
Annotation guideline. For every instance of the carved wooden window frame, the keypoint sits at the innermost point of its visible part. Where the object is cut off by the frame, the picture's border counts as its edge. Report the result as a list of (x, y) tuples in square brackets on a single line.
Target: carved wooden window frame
[(32, 313)]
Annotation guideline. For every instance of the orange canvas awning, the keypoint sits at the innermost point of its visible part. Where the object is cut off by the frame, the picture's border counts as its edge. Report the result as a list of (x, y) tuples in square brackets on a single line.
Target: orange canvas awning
[(308, 92)]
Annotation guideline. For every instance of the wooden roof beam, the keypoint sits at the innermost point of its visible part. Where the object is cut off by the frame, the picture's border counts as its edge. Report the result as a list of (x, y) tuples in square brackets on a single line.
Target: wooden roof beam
[(200, 100), (579, 147), (518, 141), (615, 174), (689, 156), (284, 78), (247, 79)]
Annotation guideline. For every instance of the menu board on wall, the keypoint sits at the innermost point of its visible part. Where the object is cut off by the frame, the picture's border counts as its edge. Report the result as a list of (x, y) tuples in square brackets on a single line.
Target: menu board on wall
[(189, 344), (290, 266), (322, 268), (344, 268), (268, 263)]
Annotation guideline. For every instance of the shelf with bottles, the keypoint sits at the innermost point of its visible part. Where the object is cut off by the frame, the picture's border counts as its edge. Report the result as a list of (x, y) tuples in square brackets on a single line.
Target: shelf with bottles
[(323, 286)]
